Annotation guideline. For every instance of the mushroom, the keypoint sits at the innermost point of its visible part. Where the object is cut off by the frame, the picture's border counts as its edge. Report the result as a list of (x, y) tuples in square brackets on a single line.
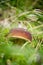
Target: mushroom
[(20, 33)]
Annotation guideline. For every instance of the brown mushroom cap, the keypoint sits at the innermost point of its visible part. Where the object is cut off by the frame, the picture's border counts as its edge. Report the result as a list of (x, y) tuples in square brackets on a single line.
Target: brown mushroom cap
[(20, 33)]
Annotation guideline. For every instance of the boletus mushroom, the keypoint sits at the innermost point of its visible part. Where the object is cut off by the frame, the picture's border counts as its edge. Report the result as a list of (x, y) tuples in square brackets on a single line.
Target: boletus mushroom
[(20, 33)]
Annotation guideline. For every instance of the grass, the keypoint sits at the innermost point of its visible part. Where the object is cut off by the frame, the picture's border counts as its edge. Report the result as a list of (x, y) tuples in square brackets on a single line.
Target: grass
[(29, 53)]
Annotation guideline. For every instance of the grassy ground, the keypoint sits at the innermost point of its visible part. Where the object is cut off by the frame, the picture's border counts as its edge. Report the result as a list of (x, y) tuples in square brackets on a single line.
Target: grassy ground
[(29, 53)]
